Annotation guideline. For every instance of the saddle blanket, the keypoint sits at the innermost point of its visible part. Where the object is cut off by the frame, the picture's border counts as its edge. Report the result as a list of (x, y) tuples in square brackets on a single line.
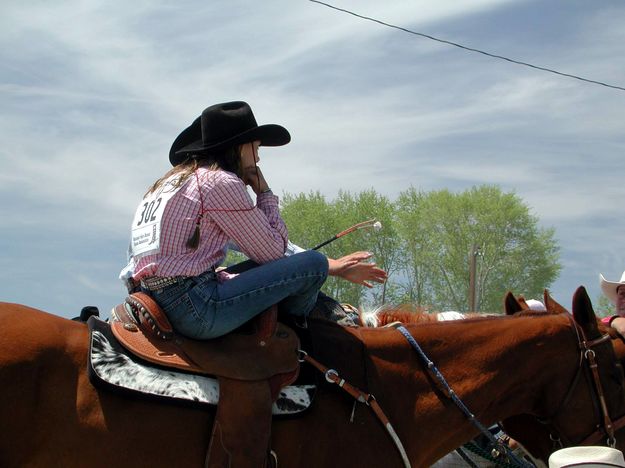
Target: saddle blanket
[(111, 366)]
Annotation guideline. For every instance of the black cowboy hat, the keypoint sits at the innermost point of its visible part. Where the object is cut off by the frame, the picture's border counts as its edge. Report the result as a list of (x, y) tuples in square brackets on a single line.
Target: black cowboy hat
[(222, 126)]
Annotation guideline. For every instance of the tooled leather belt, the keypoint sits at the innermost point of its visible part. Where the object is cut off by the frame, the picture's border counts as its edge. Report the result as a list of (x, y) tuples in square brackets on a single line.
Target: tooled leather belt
[(154, 283)]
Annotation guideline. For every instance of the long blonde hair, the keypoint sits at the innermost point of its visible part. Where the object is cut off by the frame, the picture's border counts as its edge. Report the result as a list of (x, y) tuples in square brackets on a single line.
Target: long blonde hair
[(228, 160)]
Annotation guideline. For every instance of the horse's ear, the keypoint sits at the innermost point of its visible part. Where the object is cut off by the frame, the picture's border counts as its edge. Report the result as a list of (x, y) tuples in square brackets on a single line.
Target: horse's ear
[(584, 314), (552, 305), (511, 305)]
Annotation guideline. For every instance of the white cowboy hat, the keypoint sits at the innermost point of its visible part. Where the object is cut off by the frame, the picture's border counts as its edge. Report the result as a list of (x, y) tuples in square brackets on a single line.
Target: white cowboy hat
[(586, 457), (538, 306), (609, 287)]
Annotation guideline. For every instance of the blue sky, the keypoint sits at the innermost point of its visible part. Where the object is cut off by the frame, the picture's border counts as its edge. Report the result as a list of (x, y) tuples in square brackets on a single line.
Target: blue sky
[(92, 94)]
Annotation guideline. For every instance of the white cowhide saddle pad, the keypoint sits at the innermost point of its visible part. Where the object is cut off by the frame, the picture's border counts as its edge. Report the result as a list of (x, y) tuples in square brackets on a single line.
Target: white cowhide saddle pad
[(111, 366)]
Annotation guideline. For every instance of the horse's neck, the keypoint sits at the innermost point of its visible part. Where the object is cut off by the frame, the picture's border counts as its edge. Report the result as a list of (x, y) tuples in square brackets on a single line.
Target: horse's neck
[(498, 367), (513, 357), (503, 353)]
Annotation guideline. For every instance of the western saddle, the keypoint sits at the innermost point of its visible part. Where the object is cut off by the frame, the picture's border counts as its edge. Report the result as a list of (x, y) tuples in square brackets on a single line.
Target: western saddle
[(251, 368)]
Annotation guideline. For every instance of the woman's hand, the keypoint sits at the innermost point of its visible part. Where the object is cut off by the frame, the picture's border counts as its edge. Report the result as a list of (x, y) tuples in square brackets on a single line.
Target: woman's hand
[(254, 177), (353, 268)]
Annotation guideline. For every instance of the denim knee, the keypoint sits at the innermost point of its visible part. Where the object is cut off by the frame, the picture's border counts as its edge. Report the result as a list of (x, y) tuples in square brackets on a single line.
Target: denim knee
[(316, 261)]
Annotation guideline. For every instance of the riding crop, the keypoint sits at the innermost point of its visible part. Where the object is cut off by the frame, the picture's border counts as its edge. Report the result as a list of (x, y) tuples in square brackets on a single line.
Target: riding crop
[(372, 223)]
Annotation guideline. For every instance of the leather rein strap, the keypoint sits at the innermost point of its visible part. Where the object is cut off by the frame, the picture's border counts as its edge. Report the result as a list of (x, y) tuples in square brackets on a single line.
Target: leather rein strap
[(609, 427), (500, 447), (332, 376)]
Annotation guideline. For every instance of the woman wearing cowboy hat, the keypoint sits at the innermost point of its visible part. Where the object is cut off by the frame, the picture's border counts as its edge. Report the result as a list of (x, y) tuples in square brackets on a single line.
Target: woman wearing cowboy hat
[(187, 220), (615, 292)]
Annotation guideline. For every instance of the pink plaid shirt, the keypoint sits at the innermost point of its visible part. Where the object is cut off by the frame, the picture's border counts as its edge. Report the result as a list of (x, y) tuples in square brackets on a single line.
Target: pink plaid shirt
[(229, 216)]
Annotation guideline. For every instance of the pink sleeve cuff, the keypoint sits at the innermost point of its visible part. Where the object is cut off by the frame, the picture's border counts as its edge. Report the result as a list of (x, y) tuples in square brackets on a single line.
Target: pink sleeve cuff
[(608, 320)]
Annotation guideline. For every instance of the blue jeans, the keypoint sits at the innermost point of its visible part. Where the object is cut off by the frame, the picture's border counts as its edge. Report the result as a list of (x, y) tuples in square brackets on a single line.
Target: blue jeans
[(202, 308)]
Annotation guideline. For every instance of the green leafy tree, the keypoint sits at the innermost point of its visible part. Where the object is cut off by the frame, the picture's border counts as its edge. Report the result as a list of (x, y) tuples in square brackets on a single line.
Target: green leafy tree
[(419, 260), (311, 219), (514, 252), (384, 244)]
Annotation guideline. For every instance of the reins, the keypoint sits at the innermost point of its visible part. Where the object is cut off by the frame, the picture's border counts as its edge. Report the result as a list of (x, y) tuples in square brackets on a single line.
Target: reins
[(332, 376), (589, 355)]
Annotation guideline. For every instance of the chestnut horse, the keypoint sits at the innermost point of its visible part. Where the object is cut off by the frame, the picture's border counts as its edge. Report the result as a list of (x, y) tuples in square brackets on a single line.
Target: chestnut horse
[(51, 415)]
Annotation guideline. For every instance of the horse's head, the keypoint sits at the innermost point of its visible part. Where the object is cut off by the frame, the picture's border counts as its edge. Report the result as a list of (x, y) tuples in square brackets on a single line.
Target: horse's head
[(591, 406)]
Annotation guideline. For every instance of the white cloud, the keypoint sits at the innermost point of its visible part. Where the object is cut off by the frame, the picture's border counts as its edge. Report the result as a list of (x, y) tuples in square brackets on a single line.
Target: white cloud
[(92, 94)]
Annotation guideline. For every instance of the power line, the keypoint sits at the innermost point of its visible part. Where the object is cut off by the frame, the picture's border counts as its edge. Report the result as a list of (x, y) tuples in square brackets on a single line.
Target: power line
[(470, 49)]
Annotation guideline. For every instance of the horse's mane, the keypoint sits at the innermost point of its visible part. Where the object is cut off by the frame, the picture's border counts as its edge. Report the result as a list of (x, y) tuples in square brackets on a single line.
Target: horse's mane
[(535, 313), (408, 313)]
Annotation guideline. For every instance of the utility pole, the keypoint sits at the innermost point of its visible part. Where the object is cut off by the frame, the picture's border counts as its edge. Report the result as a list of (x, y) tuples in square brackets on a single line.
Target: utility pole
[(475, 251)]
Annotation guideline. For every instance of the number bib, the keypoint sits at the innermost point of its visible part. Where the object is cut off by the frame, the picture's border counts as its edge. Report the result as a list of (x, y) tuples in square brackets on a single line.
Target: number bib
[(146, 225)]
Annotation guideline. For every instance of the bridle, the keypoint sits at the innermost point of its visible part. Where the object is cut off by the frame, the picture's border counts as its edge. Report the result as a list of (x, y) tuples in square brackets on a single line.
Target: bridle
[(606, 427)]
